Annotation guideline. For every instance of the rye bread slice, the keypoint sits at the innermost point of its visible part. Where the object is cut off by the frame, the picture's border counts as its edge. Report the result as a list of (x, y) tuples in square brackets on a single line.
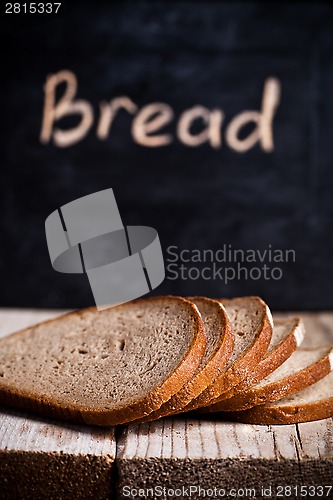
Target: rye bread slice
[(106, 367), (313, 403), (220, 343), (288, 334), (302, 369), (252, 325)]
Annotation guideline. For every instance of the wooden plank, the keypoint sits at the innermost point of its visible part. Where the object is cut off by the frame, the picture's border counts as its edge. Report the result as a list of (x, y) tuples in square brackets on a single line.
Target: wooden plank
[(213, 439), (223, 455), (20, 432), (42, 458), (12, 320), (319, 326)]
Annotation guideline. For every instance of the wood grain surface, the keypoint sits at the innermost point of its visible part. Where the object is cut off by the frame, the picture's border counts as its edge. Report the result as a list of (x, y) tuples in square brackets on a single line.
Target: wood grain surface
[(71, 461), (229, 457)]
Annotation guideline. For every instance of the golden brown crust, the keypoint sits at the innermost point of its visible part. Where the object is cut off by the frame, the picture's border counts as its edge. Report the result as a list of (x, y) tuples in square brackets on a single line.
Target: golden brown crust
[(207, 374), (275, 390), (52, 408), (241, 367), (270, 362), (279, 415)]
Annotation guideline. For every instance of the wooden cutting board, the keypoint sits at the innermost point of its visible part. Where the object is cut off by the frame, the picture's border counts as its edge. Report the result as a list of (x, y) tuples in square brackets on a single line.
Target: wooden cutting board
[(40, 458)]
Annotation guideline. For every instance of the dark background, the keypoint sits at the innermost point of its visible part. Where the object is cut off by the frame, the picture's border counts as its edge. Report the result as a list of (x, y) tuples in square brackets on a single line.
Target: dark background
[(186, 53)]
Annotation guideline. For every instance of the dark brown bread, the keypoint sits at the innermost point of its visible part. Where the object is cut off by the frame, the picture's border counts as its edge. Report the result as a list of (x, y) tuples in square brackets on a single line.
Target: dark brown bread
[(106, 367), (220, 342), (288, 334), (313, 403), (252, 324), (302, 369)]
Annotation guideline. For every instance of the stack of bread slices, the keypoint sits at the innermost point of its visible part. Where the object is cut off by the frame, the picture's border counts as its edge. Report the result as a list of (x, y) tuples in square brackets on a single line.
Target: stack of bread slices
[(162, 356)]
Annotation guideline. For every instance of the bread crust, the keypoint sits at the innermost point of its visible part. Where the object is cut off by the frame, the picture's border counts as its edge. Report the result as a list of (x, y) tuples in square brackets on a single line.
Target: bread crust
[(276, 390), (243, 366), (230, 400), (206, 375), (272, 360), (47, 406), (281, 415)]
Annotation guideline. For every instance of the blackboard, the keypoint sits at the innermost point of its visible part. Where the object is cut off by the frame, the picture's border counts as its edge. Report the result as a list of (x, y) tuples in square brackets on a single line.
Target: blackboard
[(216, 55)]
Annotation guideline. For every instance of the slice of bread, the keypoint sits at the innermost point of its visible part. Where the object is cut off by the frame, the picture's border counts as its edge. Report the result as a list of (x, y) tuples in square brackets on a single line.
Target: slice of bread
[(106, 367), (220, 343), (288, 334), (252, 324), (313, 403), (302, 369)]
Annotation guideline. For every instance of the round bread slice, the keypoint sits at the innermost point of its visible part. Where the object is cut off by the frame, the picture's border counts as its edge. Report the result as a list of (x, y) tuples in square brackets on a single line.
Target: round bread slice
[(288, 334), (252, 325), (220, 342), (106, 367), (313, 403), (302, 369)]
